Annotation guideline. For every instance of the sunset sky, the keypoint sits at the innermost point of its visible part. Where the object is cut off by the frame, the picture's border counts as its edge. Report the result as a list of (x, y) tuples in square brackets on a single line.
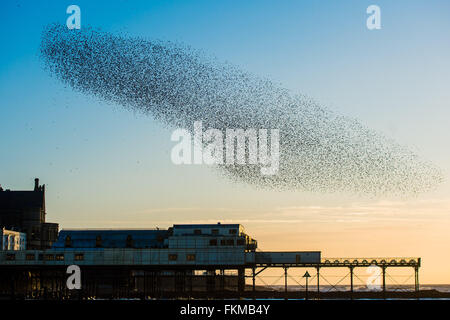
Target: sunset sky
[(105, 166)]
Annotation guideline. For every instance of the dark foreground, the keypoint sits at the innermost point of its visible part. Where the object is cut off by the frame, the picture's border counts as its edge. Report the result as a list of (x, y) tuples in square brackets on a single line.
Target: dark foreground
[(75, 295), (231, 309)]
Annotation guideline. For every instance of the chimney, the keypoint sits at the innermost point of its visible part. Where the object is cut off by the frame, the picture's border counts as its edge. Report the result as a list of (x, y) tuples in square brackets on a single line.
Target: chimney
[(36, 184)]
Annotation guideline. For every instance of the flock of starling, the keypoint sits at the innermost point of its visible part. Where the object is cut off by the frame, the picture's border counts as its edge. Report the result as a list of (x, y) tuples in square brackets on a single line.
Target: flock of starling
[(320, 150)]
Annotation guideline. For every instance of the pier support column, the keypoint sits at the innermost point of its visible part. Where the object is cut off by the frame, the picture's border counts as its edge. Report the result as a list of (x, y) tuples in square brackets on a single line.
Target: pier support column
[(144, 295), (384, 281), (416, 279), (191, 282), (180, 282), (222, 281), (351, 282), (253, 282), (318, 282), (211, 281), (285, 281), (241, 280), (12, 288), (158, 283)]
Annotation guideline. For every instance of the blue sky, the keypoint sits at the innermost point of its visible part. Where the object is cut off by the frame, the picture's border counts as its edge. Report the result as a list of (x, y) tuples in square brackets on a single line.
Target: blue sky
[(106, 166), (395, 80)]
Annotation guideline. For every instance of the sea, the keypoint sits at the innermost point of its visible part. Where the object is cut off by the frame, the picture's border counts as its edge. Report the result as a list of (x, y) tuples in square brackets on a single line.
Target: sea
[(362, 288)]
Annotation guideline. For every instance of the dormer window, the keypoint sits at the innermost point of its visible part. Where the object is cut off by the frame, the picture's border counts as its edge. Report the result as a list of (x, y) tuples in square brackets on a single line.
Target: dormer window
[(129, 241), (68, 242), (173, 257), (98, 241)]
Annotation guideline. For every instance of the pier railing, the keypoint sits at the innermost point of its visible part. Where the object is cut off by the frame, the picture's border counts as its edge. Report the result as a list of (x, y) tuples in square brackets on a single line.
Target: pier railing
[(378, 261)]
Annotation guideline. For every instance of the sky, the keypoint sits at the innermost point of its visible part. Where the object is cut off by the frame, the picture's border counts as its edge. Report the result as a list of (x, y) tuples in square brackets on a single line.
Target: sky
[(105, 166)]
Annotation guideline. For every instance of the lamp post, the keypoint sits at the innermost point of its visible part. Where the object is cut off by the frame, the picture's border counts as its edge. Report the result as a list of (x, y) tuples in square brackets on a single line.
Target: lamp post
[(306, 276)]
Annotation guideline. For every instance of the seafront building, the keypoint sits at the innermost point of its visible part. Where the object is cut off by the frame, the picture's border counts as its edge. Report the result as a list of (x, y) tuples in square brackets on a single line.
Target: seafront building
[(12, 240)]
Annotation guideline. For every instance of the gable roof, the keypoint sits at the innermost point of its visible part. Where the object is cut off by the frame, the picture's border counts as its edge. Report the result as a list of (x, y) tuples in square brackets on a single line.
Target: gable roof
[(112, 238)]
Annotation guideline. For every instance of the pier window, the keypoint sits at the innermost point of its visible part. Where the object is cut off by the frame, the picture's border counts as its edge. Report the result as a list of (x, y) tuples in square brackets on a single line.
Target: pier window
[(197, 231), (233, 231), (60, 257), (215, 231), (190, 257), (230, 242), (173, 257), (240, 242), (213, 242), (79, 256), (49, 257), (30, 256), (223, 242)]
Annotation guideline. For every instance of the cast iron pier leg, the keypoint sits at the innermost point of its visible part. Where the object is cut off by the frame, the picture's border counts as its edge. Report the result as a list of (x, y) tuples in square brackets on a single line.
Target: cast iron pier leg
[(285, 282), (318, 282), (241, 281), (351, 282), (416, 278), (253, 282)]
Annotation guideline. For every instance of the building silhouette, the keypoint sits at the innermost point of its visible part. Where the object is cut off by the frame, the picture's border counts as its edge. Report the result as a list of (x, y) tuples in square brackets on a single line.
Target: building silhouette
[(24, 211)]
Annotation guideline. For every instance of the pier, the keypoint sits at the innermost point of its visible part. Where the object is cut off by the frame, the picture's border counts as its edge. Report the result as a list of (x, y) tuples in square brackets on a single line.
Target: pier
[(350, 263), (46, 279), (181, 261)]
